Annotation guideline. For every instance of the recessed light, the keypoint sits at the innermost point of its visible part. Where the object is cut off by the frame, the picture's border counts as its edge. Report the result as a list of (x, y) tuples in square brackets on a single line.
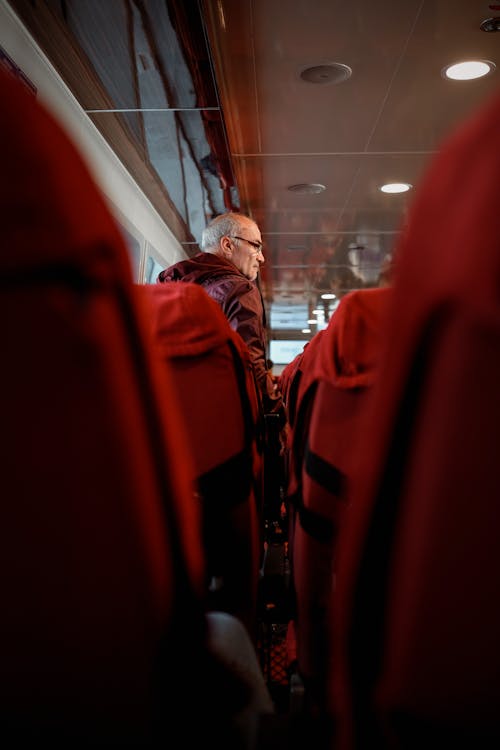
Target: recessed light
[(326, 73), (468, 70), (312, 322), (306, 330), (328, 296), (395, 187), (307, 188)]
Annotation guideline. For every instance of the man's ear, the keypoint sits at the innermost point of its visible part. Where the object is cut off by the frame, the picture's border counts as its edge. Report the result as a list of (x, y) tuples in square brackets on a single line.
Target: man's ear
[(226, 247)]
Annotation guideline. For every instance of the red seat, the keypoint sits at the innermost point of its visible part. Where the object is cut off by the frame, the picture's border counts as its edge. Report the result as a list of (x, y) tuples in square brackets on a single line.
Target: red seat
[(297, 381), (216, 392), (285, 384), (417, 611), (325, 456), (102, 633), (298, 374)]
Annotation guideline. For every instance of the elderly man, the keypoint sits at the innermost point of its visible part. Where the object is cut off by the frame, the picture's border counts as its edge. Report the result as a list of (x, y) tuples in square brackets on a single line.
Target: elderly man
[(227, 269)]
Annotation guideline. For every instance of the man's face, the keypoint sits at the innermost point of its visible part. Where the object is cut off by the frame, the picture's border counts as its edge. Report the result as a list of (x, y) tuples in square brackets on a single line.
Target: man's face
[(247, 250)]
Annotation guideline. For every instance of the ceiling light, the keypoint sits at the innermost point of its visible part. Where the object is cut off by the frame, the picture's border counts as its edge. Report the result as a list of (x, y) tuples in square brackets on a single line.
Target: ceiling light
[(307, 188), (326, 73), (306, 330), (395, 187), (328, 296), (312, 322), (467, 70)]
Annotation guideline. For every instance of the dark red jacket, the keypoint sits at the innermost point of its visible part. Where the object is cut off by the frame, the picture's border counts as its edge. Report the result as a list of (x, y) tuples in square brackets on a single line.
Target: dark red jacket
[(241, 303)]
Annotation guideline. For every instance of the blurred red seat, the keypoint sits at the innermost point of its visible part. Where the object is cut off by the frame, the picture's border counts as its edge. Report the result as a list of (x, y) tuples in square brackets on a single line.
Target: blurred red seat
[(102, 634), (324, 452), (216, 393), (417, 612), (301, 372), (285, 384)]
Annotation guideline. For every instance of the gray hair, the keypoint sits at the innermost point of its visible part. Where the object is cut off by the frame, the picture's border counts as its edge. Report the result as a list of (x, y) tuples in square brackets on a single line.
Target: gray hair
[(224, 225)]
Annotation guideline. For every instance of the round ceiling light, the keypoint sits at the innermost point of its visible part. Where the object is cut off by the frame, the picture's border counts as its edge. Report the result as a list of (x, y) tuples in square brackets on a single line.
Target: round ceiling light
[(327, 73), (396, 187), (468, 70), (328, 295), (307, 188)]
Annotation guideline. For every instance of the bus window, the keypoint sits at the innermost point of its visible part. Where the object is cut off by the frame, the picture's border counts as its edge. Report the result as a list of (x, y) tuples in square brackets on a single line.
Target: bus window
[(134, 252), (153, 268)]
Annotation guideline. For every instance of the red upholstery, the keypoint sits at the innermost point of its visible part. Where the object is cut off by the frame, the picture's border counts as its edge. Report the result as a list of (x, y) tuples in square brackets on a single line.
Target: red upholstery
[(298, 383), (417, 611), (216, 391), (325, 452), (285, 380), (100, 552), (296, 380)]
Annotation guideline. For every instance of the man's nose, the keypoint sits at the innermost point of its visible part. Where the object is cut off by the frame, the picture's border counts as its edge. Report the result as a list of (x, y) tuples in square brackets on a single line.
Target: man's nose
[(260, 257)]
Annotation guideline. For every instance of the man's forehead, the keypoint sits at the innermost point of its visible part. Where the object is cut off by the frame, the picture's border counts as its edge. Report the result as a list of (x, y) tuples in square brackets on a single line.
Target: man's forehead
[(252, 226)]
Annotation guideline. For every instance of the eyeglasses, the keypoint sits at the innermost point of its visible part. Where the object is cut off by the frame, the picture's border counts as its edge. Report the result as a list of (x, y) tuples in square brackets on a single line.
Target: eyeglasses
[(253, 243)]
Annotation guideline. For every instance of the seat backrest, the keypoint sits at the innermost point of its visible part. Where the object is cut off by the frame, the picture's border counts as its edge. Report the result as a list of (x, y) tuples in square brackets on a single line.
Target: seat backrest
[(101, 557), (301, 376), (285, 383), (299, 381), (325, 456), (416, 659), (216, 392), (342, 372)]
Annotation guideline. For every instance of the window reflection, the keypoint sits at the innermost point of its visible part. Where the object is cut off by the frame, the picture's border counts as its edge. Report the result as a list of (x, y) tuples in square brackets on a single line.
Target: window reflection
[(152, 97), (134, 251), (153, 268)]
